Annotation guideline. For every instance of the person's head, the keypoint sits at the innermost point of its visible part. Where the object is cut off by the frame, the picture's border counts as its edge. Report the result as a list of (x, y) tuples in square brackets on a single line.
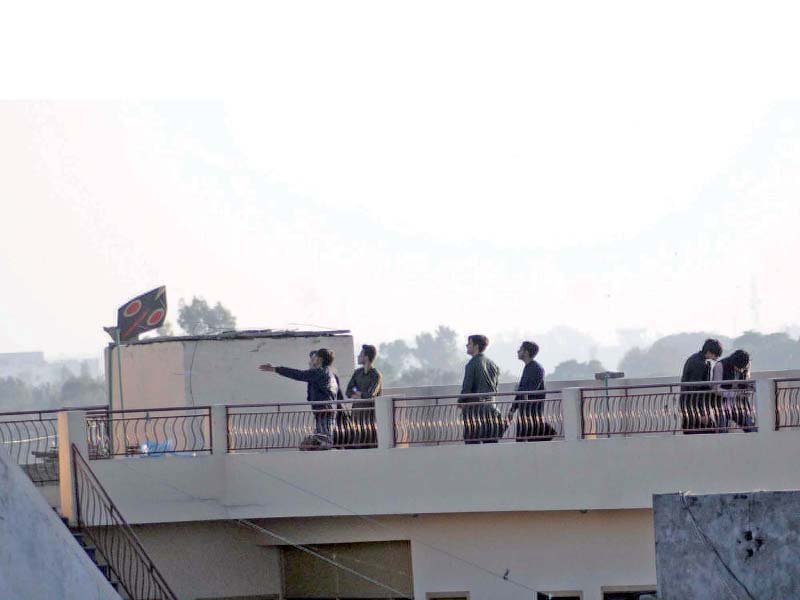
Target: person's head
[(476, 344), (527, 351), (312, 356), (740, 360), (367, 354), (711, 349), (324, 357)]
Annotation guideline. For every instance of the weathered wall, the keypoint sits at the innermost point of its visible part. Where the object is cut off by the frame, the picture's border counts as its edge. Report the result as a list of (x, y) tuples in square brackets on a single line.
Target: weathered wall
[(39, 558), (212, 559), (556, 551), (559, 475), (219, 371), (742, 546)]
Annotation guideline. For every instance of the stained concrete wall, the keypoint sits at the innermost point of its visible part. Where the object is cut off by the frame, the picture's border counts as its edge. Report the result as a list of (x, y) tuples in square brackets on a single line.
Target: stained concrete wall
[(201, 372), (741, 546), (39, 558), (556, 551), (212, 559), (611, 473)]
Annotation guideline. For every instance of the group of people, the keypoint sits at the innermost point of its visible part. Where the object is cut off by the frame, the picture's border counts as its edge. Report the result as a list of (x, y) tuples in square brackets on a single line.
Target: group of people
[(482, 421), (705, 407), (339, 427), (713, 407)]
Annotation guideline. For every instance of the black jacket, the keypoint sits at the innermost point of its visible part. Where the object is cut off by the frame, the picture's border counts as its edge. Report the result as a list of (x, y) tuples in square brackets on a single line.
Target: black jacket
[(696, 368), (532, 380), (323, 384)]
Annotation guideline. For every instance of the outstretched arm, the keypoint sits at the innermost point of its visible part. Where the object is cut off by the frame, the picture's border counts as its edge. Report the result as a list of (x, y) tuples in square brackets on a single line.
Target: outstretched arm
[(296, 374)]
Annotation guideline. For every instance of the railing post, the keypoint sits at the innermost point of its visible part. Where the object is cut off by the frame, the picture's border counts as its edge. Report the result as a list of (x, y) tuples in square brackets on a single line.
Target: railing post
[(765, 405), (219, 429), (571, 410), (71, 430), (384, 421)]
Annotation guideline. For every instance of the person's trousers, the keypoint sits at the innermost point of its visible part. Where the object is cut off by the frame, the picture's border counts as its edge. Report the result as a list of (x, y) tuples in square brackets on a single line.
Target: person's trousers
[(532, 426), (482, 423)]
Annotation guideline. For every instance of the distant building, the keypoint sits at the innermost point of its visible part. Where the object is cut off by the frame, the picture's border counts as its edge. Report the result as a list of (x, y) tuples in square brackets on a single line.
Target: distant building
[(33, 369)]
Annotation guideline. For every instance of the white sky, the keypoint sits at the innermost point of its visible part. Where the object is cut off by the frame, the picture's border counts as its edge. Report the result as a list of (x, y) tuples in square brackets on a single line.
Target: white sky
[(389, 167)]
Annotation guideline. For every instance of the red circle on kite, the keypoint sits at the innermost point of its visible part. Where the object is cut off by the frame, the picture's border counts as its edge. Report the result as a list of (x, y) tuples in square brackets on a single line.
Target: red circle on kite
[(155, 317), (132, 308)]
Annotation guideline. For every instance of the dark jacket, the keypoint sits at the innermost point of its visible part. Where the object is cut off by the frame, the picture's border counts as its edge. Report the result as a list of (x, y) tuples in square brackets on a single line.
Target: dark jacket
[(368, 383), (696, 368), (323, 384), (532, 380), (729, 372), (481, 375)]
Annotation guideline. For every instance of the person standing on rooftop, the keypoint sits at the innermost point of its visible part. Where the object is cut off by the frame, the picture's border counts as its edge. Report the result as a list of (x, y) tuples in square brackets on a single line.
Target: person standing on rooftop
[(700, 410), (482, 421), (531, 423), (735, 402), (323, 389), (365, 384)]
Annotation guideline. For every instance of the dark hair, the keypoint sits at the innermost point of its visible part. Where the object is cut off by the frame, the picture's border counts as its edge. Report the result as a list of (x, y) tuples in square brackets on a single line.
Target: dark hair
[(326, 356), (532, 348), (312, 353), (740, 359), (481, 341), (713, 346), (370, 352)]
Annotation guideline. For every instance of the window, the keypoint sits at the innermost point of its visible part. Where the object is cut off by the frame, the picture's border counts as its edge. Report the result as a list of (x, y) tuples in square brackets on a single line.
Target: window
[(447, 596), (386, 562), (628, 594), (559, 595)]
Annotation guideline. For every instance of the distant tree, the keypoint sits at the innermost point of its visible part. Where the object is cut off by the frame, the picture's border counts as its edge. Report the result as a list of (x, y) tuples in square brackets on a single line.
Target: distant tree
[(82, 391), (15, 394), (768, 352), (439, 350), (665, 357), (572, 369), (198, 318), (434, 360), (165, 330)]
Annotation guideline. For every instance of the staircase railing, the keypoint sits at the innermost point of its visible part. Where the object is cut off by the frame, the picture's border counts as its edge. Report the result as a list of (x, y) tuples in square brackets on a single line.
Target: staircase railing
[(103, 524)]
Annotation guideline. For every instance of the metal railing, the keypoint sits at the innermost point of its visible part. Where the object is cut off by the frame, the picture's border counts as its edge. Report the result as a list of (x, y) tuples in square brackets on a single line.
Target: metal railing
[(31, 439), (102, 523), (468, 418), (787, 403), (304, 425), (150, 432), (702, 407)]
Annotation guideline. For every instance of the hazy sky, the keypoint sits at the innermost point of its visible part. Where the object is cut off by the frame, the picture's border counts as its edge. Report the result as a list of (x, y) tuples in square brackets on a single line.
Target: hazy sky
[(389, 167)]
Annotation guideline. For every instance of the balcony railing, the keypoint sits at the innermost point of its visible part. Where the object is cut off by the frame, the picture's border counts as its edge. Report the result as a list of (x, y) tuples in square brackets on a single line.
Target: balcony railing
[(31, 439), (100, 520), (707, 407), (471, 418), (305, 425), (787, 403), (151, 432)]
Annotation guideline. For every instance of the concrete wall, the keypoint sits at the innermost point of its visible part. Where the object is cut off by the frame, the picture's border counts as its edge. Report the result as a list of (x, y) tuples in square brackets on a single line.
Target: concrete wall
[(39, 558), (219, 371), (614, 473), (740, 546), (212, 559), (554, 551)]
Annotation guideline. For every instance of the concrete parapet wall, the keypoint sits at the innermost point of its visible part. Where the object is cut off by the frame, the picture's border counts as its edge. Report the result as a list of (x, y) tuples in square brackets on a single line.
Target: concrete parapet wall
[(39, 558)]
